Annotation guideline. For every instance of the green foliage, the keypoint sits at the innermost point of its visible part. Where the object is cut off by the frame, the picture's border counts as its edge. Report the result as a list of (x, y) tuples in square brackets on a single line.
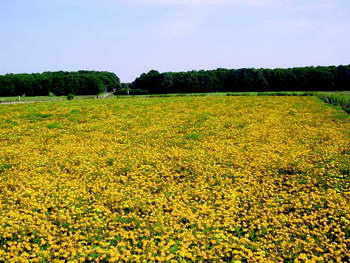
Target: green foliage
[(122, 91), (58, 83), (204, 81), (126, 89), (4, 167), (138, 92), (174, 248), (54, 125), (11, 123), (70, 96), (193, 136), (338, 99), (246, 80), (37, 116)]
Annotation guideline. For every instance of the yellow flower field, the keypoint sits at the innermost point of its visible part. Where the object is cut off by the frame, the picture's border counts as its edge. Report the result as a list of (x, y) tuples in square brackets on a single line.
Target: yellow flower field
[(186, 179)]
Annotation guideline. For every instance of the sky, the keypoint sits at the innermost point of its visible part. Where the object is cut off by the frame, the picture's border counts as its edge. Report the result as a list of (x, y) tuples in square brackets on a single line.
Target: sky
[(130, 37)]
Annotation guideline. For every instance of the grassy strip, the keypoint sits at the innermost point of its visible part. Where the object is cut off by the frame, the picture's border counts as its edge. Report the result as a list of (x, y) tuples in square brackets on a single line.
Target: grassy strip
[(271, 93), (29, 99), (341, 99), (42, 98), (277, 93)]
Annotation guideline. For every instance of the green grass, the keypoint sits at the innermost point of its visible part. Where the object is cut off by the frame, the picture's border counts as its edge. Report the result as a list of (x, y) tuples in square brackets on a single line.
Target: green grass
[(42, 98), (341, 99), (31, 99), (54, 125), (272, 93)]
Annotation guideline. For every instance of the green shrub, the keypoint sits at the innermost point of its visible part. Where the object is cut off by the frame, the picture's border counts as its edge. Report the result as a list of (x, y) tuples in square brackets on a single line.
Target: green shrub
[(70, 96), (123, 91), (54, 125), (138, 92)]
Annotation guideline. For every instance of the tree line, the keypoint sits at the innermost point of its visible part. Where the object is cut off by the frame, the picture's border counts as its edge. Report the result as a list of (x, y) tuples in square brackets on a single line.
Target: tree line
[(330, 78), (58, 83), (84, 82)]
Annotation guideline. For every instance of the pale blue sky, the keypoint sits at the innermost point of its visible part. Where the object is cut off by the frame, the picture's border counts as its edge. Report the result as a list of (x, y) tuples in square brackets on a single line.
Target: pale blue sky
[(130, 37)]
